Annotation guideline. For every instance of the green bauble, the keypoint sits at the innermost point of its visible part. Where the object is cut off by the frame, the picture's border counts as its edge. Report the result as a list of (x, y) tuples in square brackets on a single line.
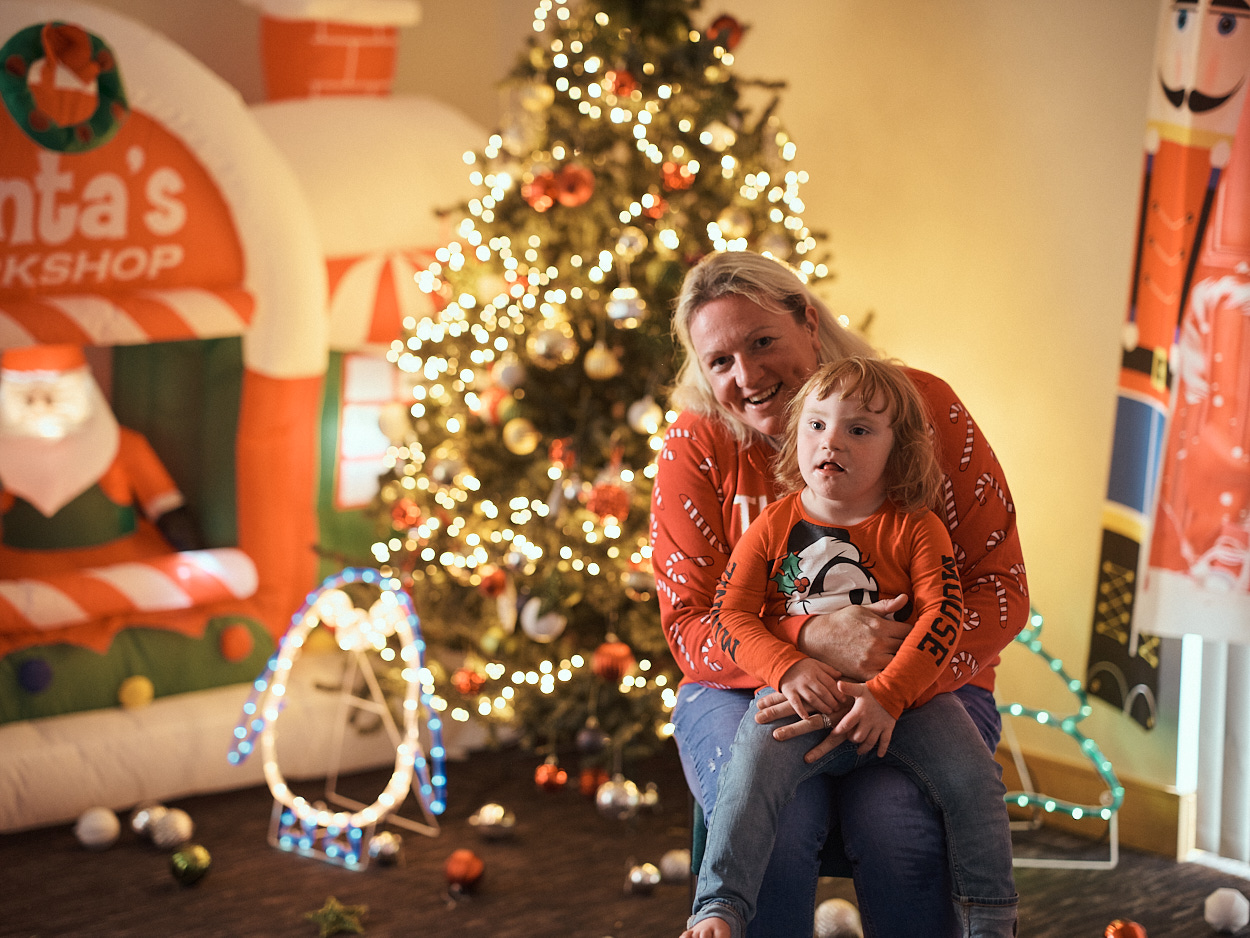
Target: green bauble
[(190, 864)]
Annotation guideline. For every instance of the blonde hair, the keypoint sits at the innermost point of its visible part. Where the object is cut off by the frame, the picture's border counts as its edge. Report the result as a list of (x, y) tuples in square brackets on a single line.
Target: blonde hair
[(913, 478), (772, 286)]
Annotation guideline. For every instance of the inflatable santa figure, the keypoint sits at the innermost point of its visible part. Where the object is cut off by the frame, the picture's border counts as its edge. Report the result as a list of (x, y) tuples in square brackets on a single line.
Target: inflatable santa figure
[(75, 488)]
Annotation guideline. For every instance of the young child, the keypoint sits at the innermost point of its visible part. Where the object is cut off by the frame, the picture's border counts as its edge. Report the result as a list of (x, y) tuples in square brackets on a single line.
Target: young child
[(860, 529)]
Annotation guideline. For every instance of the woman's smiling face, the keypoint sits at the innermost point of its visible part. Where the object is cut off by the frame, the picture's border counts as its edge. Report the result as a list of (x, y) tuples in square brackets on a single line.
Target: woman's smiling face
[(754, 360)]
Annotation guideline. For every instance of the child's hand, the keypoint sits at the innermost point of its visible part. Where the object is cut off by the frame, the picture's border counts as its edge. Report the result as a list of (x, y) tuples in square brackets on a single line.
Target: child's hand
[(711, 927), (868, 723), (810, 685)]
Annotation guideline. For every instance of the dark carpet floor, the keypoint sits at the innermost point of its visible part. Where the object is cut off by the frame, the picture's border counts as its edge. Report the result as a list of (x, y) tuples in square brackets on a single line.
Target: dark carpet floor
[(563, 874)]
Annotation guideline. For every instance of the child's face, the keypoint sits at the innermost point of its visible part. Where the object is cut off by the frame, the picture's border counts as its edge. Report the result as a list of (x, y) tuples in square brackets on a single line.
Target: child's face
[(843, 447)]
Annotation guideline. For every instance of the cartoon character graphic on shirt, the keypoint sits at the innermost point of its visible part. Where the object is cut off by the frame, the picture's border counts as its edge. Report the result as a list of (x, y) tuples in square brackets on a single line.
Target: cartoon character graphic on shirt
[(824, 572)]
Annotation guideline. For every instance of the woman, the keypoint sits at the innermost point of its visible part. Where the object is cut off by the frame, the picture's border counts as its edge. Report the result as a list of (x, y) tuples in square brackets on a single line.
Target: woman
[(751, 333)]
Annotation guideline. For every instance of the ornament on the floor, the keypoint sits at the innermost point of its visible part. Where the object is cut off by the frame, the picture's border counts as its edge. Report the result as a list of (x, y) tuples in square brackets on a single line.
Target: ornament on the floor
[(549, 776), (334, 918), (837, 918), (97, 828), (386, 847), (171, 829), (618, 798), (135, 692), (642, 879), (1226, 910), (463, 870), (190, 864), (493, 821), (590, 778), (612, 660), (1122, 928), (143, 815), (675, 866), (591, 738)]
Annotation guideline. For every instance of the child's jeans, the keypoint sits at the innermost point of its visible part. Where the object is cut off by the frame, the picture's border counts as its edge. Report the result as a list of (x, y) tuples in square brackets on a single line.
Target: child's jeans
[(937, 744)]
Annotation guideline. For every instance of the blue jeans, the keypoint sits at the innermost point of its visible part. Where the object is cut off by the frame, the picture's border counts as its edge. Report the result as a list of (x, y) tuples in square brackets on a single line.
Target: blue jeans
[(937, 744), (891, 833)]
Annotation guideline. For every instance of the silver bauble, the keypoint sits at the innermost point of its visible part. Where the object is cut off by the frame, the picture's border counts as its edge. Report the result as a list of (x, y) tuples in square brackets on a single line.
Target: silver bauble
[(642, 879), (618, 798), (386, 847), (493, 822), (837, 918), (142, 817), (626, 308), (97, 828), (172, 829), (675, 866), (541, 628)]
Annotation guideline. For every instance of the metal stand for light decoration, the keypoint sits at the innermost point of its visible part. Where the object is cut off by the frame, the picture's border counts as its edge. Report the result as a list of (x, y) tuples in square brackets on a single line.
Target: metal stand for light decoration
[(1112, 798), (343, 837)]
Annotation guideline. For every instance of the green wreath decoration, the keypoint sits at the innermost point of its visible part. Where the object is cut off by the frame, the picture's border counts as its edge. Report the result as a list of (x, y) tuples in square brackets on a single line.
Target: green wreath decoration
[(26, 47)]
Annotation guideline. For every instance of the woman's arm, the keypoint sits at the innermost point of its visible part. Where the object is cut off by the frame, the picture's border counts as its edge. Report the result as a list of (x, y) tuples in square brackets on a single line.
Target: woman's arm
[(690, 548)]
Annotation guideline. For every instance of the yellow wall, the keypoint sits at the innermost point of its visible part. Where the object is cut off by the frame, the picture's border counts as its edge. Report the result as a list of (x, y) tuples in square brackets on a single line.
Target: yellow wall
[(976, 165)]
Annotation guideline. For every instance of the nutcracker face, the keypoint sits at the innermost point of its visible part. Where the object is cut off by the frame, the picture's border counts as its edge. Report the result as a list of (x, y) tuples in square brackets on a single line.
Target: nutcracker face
[(1202, 61), (45, 404)]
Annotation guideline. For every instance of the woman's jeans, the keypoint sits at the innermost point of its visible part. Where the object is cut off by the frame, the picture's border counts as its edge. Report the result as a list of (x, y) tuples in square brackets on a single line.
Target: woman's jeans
[(891, 833)]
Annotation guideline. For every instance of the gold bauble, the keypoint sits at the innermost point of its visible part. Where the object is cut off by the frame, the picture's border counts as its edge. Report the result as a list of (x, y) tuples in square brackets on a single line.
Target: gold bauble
[(601, 363), (520, 436)]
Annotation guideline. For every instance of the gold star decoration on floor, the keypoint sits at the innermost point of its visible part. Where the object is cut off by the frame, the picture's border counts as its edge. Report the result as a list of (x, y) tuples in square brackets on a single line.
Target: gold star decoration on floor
[(334, 918)]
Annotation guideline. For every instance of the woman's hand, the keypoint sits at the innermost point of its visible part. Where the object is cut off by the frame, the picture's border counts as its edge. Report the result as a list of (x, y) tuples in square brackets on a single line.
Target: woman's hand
[(868, 723), (774, 706), (810, 685), (857, 640)]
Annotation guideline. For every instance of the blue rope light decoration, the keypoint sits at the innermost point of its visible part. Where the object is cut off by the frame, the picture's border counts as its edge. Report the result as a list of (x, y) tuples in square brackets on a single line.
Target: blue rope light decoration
[(1031, 638)]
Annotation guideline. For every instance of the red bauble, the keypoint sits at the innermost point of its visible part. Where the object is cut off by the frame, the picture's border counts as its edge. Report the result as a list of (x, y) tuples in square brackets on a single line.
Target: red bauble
[(463, 869), (608, 500), (550, 777), (725, 31), (1124, 929), (493, 582), (405, 513), (657, 208), (590, 780), (540, 192), (612, 661), (561, 453), (574, 185), (619, 82), (495, 405), (677, 176), (467, 681)]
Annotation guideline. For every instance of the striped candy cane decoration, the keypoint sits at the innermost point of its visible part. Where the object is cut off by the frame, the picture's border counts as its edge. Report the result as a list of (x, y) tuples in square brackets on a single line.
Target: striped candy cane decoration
[(984, 481), (952, 512), (701, 523), (1000, 591), (966, 457), (172, 581)]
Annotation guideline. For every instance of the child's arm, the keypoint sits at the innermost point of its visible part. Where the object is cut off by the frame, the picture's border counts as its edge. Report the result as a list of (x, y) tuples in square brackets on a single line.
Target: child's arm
[(922, 549)]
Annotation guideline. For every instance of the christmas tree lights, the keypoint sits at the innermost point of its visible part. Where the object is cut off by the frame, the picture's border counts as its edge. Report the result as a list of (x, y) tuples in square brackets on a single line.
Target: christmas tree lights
[(517, 491)]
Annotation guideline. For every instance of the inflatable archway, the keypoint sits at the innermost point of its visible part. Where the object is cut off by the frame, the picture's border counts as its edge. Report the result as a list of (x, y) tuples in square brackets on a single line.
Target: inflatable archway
[(161, 223)]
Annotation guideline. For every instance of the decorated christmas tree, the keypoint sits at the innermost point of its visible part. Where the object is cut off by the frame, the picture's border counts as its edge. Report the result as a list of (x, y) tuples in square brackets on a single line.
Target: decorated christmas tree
[(517, 491)]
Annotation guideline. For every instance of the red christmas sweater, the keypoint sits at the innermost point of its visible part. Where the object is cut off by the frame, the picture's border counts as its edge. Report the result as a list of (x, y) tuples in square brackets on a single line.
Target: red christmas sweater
[(709, 488), (789, 563)]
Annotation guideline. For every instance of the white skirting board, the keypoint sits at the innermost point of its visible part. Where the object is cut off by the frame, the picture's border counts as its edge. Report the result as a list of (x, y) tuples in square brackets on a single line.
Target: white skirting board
[(52, 769)]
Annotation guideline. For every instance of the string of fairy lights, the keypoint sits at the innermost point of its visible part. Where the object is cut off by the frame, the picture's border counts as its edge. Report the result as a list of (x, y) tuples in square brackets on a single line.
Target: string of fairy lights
[(1031, 638)]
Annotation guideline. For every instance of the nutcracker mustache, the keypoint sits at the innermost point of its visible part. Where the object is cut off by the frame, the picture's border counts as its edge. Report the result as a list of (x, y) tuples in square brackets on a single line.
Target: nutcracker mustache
[(1196, 101)]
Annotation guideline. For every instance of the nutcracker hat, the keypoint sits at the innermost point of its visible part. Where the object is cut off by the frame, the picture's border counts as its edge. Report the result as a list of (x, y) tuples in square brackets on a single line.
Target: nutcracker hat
[(54, 358)]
